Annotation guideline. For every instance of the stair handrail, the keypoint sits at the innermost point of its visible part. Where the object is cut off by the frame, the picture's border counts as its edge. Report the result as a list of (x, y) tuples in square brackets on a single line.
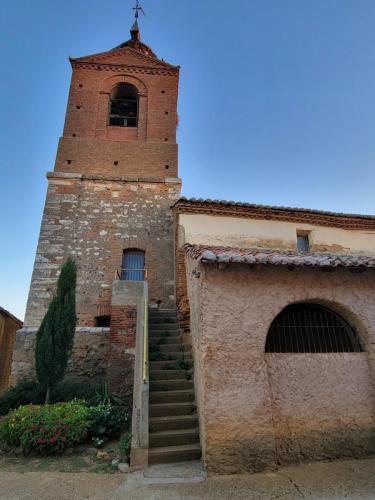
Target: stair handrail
[(145, 342)]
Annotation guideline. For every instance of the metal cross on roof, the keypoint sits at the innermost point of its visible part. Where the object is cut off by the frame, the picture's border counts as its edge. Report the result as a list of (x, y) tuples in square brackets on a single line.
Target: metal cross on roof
[(138, 8)]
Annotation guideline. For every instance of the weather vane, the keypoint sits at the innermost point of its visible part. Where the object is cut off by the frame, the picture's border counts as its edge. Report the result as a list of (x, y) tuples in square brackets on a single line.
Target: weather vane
[(138, 8)]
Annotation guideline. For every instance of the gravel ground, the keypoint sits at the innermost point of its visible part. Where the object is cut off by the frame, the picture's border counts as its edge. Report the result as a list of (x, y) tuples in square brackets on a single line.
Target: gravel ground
[(350, 479)]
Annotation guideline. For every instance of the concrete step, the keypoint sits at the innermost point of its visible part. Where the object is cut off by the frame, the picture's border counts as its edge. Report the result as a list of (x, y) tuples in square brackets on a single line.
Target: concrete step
[(161, 312), (160, 327), (169, 423), (159, 335), (179, 396), (171, 409), (162, 321), (171, 347), (175, 437), (170, 454), (165, 364), (171, 385), (161, 340), (169, 356), (169, 374)]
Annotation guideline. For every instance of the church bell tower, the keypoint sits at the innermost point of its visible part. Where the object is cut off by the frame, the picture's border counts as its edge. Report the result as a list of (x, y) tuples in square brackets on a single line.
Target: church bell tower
[(114, 181)]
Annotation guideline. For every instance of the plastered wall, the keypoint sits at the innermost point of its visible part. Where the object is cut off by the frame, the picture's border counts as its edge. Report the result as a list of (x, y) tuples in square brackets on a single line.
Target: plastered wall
[(259, 410), (202, 229)]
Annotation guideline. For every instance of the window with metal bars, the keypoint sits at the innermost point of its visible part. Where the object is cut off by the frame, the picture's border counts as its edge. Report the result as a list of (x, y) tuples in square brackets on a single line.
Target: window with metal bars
[(311, 328)]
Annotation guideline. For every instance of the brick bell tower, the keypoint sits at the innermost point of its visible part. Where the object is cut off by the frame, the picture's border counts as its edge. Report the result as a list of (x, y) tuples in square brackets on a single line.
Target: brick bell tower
[(114, 181)]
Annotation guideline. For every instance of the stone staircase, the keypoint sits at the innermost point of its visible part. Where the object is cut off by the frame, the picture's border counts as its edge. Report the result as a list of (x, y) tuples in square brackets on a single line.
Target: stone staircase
[(173, 420)]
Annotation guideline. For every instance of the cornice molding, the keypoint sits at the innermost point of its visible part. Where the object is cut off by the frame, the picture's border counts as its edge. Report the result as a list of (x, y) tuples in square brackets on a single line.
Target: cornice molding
[(109, 178), (301, 216)]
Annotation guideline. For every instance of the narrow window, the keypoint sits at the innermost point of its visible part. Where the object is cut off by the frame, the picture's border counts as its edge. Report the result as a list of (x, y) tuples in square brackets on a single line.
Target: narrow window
[(311, 328), (303, 243), (124, 106), (133, 265), (103, 321)]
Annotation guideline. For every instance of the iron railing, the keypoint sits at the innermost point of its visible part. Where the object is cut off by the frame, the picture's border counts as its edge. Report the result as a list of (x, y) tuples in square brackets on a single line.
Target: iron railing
[(131, 274)]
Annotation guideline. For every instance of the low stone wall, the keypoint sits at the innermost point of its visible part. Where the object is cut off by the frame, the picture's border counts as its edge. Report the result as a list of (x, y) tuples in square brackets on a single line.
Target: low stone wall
[(87, 364), (258, 410)]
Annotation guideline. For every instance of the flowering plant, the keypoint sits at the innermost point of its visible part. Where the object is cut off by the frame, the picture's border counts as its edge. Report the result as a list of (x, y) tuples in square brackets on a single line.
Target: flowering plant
[(46, 429)]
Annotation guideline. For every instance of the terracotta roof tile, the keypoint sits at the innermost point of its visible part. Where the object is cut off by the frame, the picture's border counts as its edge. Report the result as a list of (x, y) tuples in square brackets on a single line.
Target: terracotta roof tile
[(208, 254)]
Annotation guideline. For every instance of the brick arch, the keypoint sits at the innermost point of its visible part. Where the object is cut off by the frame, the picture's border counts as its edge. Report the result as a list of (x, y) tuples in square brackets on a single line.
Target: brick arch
[(103, 130), (112, 81)]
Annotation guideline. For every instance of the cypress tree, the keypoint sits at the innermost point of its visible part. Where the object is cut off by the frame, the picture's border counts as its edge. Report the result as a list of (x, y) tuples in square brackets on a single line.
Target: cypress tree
[(54, 341)]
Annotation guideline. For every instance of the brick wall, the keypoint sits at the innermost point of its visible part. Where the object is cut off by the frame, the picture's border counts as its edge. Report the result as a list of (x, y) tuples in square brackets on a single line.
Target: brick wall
[(121, 350)]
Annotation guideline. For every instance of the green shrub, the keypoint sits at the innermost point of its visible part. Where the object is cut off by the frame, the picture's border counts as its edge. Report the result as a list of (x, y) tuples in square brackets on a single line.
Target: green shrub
[(124, 445), (24, 393), (106, 421), (30, 392), (46, 429), (102, 396), (68, 391)]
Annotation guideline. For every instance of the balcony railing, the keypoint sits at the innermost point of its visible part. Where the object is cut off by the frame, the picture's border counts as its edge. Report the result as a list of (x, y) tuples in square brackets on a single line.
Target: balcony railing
[(131, 274)]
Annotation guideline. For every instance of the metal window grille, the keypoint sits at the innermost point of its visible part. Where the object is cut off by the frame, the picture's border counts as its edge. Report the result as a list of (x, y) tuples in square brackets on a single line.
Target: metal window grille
[(133, 265), (303, 244), (311, 328)]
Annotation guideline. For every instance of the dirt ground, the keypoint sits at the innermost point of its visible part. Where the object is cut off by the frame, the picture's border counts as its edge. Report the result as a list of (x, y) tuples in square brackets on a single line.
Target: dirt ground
[(350, 479)]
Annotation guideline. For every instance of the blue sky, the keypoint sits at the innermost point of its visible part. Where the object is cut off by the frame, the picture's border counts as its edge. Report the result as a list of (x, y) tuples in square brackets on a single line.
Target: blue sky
[(276, 103)]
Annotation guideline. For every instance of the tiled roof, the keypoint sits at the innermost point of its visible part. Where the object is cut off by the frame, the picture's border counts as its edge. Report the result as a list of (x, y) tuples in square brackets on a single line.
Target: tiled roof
[(10, 315), (268, 212), (208, 254), (272, 207)]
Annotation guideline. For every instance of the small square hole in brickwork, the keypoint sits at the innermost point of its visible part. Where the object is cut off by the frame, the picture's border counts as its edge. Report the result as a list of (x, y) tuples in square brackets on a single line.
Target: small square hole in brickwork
[(166, 139), (163, 91), (103, 321), (68, 162), (115, 162), (74, 135), (167, 113), (167, 167), (80, 85), (78, 107)]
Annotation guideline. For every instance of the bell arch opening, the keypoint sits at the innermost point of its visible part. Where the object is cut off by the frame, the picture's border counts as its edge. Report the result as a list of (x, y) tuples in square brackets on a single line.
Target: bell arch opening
[(311, 328), (124, 106)]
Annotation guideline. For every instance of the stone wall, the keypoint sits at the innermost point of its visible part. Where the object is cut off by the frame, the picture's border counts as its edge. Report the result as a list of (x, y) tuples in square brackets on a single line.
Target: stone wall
[(94, 219), (259, 410), (87, 364)]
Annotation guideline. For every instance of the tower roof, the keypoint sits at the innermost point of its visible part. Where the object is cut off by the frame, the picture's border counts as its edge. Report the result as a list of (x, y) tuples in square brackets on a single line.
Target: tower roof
[(135, 42)]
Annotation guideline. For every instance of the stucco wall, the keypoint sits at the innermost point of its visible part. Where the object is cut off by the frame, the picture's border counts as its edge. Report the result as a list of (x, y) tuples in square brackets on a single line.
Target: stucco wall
[(245, 233), (256, 410)]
